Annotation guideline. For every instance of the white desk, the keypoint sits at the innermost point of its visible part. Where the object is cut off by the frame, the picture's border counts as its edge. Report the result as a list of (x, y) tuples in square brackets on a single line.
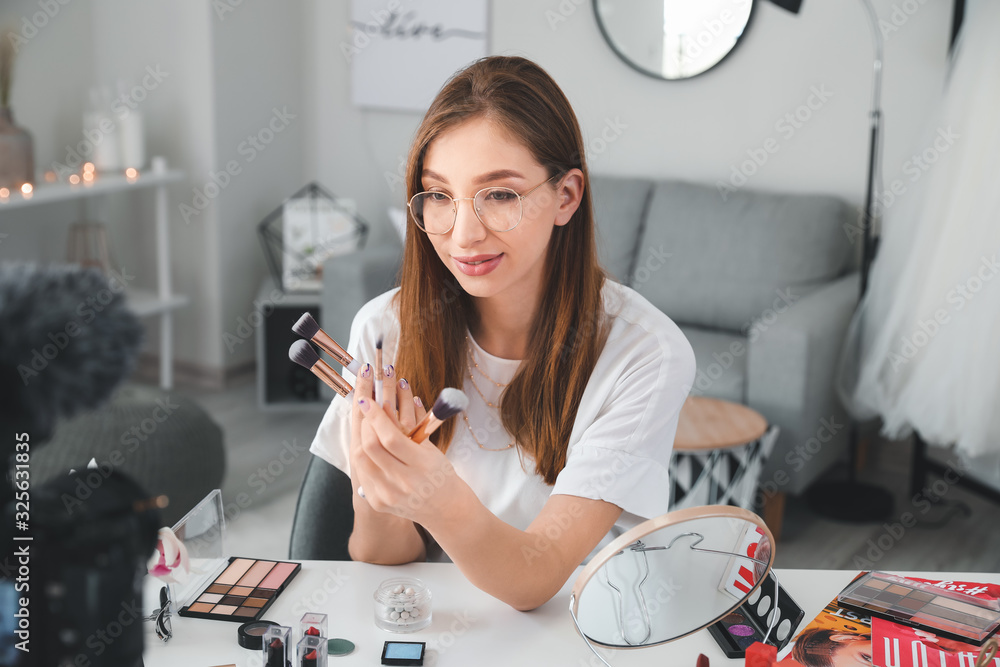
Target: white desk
[(469, 627)]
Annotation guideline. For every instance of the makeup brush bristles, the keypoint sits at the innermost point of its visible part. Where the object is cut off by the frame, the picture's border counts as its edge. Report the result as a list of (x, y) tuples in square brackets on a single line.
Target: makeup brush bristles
[(307, 326), (449, 403), (302, 353)]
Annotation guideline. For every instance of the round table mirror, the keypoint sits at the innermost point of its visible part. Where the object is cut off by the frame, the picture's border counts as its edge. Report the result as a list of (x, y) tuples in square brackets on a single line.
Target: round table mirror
[(671, 576), (673, 39)]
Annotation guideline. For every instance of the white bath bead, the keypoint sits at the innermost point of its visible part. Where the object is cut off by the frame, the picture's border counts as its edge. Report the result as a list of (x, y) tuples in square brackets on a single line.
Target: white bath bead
[(405, 615), (409, 591), (415, 613), (395, 615), (408, 606), (398, 589), (400, 609)]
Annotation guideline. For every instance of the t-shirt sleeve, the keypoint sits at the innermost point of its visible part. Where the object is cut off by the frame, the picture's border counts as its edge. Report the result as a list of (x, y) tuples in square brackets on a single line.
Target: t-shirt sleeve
[(622, 455), (333, 437)]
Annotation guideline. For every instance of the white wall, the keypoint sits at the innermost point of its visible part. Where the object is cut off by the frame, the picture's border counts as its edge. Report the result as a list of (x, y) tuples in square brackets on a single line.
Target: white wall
[(698, 129), (226, 74)]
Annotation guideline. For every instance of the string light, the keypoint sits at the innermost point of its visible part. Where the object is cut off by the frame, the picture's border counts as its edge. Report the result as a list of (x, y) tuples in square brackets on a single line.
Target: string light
[(74, 179), (26, 190), (131, 174)]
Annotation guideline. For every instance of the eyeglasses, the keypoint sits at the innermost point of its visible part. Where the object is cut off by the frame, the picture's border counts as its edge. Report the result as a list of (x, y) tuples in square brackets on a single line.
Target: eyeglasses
[(499, 209)]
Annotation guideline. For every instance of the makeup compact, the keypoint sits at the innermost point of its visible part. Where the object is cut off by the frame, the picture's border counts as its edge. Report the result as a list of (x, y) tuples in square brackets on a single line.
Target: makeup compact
[(223, 588), (918, 604), (749, 623), (403, 653), (251, 635)]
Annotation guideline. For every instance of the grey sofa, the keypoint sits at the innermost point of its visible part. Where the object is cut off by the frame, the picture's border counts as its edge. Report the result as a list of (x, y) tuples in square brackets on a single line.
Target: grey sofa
[(763, 285)]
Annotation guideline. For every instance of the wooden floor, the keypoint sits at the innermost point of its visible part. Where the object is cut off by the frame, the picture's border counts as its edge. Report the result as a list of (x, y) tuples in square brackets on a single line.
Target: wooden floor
[(268, 453)]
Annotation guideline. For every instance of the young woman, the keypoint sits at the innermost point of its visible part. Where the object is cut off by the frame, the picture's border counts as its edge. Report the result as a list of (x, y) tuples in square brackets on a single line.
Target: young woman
[(575, 381)]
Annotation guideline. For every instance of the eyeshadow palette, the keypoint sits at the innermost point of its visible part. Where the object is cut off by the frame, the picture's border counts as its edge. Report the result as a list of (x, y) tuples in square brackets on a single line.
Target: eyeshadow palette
[(917, 604), (749, 623), (242, 591)]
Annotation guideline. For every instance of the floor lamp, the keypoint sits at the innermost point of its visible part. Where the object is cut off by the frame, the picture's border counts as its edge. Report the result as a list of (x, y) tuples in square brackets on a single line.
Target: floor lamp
[(852, 500)]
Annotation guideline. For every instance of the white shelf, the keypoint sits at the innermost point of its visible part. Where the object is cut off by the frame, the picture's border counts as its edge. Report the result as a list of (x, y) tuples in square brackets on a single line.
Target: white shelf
[(45, 193), (145, 303), (160, 302)]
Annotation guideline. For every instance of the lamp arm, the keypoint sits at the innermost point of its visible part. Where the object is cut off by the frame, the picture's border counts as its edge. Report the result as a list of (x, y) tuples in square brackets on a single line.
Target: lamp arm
[(874, 148)]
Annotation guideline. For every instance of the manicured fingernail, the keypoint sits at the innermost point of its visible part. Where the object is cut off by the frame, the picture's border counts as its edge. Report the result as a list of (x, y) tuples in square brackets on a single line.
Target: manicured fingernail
[(417, 402), (366, 372), (364, 405), (361, 492), (403, 384), (389, 370)]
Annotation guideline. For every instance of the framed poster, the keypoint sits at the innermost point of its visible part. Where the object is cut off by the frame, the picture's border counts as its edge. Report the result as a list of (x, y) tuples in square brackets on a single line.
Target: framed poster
[(402, 51)]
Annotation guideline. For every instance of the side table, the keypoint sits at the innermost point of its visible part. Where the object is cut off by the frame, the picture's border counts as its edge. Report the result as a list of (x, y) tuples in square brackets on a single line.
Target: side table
[(719, 451)]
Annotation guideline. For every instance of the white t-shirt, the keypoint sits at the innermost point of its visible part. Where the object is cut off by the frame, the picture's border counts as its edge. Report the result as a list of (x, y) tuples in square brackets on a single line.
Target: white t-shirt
[(620, 445)]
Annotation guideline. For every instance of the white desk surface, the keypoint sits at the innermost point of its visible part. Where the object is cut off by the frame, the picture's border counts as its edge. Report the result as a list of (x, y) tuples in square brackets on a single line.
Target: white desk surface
[(469, 626)]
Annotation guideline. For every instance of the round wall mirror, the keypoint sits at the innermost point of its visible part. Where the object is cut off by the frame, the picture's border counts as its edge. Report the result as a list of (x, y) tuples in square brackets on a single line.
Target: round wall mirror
[(671, 576), (673, 39)]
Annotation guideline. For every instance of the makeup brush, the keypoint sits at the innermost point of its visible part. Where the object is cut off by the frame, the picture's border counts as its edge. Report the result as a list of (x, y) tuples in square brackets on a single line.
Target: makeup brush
[(379, 371), (308, 328), (302, 353), (449, 403)]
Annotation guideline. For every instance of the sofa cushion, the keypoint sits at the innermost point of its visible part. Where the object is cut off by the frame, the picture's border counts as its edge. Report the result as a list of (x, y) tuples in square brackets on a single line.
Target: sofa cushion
[(619, 205), (721, 361), (730, 258)]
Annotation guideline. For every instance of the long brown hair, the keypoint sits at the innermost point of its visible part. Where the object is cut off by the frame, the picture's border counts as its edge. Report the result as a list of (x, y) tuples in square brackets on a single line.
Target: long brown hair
[(539, 405)]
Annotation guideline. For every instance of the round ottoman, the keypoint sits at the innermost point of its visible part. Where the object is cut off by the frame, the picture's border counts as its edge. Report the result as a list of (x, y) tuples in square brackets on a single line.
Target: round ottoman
[(167, 443)]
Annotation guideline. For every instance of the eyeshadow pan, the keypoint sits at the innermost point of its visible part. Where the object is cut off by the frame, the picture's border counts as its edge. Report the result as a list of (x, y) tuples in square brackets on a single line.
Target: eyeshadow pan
[(256, 573), (241, 590), (210, 597), (254, 602), (864, 591), (217, 588), (201, 607), (232, 599), (984, 614), (277, 576), (923, 596), (899, 590), (264, 593), (224, 609), (245, 611), (877, 583), (235, 570), (886, 596), (912, 603)]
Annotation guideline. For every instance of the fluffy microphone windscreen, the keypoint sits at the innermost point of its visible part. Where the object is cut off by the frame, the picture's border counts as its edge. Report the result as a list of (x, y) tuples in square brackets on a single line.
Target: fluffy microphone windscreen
[(67, 338)]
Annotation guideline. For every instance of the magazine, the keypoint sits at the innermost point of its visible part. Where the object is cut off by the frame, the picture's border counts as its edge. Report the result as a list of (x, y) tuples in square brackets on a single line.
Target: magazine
[(837, 637)]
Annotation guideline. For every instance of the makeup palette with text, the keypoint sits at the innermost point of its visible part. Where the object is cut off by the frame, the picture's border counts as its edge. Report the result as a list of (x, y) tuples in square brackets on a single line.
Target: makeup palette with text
[(914, 603), (243, 591)]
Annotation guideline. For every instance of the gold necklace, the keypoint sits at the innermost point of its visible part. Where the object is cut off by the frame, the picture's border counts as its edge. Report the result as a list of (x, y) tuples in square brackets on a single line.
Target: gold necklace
[(472, 358), (489, 404)]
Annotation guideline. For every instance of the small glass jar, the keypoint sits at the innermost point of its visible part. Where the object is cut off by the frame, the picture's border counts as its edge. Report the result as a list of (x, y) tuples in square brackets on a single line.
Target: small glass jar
[(402, 604)]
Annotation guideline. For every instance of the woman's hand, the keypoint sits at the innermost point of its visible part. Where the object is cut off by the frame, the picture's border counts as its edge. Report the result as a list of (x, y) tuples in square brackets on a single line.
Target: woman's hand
[(411, 480), (380, 537)]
